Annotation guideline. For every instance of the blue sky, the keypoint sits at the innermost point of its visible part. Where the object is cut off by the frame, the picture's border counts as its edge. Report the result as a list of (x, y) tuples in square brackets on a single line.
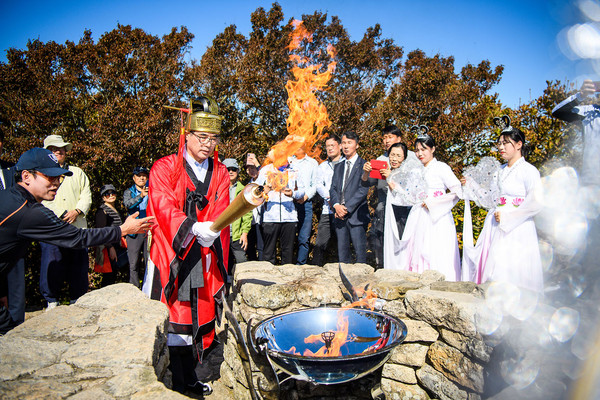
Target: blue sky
[(521, 35)]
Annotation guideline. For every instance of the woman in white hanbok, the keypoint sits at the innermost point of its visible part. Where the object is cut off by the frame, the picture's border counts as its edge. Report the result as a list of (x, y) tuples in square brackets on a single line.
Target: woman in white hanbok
[(507, 248), (429, 238)]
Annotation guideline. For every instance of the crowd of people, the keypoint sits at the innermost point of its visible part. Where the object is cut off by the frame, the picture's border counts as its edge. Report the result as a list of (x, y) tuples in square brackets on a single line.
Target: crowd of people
[(170, 241)]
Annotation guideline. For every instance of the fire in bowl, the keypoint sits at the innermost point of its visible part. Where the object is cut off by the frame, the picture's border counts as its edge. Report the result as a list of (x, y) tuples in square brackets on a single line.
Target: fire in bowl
[(328, 345)]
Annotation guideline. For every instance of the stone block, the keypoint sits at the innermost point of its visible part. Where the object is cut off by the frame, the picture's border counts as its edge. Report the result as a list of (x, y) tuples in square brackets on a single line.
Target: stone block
[(473, 347), (457, 287), (318, 291), (437, 383), (418, 331), (395, 308), (454, 311), (110, 344), (120, 384), (413, 354), (227, 377), (157, 391), (456, 366), (399, 373), (401, 391), (272, 297)]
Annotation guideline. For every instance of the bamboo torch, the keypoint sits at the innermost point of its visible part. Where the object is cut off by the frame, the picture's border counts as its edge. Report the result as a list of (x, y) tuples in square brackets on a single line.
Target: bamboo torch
[(248, 199)]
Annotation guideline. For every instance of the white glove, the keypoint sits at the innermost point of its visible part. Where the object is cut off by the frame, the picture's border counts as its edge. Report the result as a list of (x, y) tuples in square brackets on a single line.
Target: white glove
[(205, 235)]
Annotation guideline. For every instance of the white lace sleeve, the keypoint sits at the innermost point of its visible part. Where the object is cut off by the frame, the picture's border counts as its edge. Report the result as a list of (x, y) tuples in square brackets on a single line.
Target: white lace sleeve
[(482, 182), (409, 183)]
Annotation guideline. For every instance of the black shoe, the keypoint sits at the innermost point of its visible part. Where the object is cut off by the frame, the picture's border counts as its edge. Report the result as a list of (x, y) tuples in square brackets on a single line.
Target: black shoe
[(200, 388)]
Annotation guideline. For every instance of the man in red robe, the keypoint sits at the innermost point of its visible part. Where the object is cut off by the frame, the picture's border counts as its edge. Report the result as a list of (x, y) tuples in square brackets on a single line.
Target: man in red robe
[(187, 267)]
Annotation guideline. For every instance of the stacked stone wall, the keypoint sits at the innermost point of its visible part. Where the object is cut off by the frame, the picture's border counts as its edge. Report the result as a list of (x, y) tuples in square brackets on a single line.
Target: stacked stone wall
[(443, 355)]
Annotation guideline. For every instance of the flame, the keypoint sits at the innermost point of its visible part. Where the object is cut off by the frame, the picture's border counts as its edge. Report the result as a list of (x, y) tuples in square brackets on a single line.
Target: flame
[(340, 338), (368, 299), (308, 117)]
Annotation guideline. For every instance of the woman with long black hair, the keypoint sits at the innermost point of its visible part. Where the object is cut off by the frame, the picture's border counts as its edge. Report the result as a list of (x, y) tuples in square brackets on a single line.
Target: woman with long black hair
[(507, 248), (429, 238)]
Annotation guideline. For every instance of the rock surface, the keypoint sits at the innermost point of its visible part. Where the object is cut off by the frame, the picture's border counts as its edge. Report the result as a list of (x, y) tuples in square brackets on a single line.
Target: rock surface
[(111, 344)]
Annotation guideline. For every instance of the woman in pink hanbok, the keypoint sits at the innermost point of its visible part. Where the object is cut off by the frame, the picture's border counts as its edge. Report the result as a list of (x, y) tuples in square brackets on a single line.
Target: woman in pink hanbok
[(429, 238), (507, 248)]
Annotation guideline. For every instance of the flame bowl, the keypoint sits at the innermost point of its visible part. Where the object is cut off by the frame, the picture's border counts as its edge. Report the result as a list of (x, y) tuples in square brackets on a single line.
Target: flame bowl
[(371, 337)]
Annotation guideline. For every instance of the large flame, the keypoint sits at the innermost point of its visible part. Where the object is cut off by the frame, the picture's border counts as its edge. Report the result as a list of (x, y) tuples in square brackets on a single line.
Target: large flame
[(308, 117)]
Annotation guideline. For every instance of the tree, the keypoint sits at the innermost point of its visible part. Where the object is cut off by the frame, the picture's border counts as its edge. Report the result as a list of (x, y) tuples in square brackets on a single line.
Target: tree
[(105, 97), (248, 76)]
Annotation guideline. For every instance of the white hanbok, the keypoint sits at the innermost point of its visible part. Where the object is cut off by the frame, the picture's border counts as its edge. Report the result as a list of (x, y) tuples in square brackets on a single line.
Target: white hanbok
[(429, 239), (508, 251)]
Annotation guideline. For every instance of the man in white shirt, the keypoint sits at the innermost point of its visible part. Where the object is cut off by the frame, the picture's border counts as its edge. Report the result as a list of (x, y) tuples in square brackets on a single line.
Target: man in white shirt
[(305, 168), (326, 229), (279, 216)]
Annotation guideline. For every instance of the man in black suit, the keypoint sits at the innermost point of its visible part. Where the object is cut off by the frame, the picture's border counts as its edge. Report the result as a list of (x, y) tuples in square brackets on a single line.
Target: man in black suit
[(349, 199), (15, 278)]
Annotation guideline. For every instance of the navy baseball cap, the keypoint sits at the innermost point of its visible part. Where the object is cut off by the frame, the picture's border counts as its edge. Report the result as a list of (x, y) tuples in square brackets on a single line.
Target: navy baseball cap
[(41, 160), (141, 170)]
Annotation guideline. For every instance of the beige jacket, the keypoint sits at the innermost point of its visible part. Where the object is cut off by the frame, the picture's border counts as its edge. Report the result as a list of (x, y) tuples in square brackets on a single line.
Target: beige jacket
[(73, 193)]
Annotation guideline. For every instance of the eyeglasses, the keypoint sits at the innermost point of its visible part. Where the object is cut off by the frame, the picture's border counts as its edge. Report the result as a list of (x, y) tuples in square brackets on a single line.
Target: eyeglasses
[(205, 139), (52, 179), (111, 193), (230, 169), (503, 143)]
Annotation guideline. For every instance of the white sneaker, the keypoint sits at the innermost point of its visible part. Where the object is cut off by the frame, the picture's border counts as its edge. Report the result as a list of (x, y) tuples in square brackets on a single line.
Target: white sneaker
[(51, 305)]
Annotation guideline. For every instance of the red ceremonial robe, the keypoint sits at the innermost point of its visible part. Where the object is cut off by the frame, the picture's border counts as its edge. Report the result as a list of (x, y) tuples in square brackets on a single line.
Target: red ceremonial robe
[(174, 258)]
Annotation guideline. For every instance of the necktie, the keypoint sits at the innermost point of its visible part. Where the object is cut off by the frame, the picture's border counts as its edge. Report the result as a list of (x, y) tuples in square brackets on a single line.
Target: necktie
[(348, 168), (1, 183)]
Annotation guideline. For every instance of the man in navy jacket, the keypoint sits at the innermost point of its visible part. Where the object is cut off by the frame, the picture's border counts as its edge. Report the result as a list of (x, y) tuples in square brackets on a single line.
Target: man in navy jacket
[(24, 219), (349, 199)]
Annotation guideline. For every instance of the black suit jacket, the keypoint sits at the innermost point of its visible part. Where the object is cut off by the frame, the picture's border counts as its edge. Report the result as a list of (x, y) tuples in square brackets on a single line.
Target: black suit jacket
[(355, 194), (8, 172)]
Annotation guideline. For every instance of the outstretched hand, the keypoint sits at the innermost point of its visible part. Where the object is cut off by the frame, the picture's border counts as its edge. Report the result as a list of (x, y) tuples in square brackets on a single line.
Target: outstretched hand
[(133, 226)]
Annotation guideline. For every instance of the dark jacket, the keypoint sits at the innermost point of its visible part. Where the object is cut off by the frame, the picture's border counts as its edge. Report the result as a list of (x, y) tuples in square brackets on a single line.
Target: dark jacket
[(355, 194), (23, 219)]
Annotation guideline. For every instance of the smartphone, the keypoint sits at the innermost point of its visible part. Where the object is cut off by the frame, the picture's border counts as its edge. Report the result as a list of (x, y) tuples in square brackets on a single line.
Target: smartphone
[(62, 216)]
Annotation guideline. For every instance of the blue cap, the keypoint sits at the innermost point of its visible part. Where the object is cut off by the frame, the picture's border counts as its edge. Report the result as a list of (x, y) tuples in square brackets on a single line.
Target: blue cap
[(41, 160), (141, 170)]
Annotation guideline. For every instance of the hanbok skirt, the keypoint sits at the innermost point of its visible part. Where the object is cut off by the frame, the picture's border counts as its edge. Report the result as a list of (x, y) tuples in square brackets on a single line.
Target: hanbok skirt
[(512, 257), (425, 245)]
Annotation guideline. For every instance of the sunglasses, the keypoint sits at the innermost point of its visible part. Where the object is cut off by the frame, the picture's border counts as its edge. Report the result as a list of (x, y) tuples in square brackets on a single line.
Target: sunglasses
[(52, 179), (110, 193)]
